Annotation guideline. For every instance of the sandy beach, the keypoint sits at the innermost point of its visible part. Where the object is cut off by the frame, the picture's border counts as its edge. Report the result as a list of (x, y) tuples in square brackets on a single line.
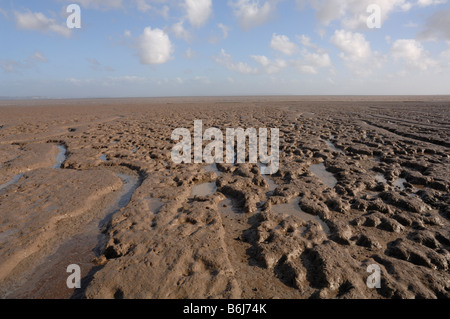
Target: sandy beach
[(362, 181)]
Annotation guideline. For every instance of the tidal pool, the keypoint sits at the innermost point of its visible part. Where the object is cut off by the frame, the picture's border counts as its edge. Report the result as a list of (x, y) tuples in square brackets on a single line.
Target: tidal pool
[(293, 209), (320, 171)]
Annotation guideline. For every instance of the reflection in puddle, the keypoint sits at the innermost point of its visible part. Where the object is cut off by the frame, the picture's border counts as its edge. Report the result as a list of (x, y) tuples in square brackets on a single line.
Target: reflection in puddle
[(204, 189), (320, 171), (130, 184), (332, 147), (293, 209), (399, 183), (380, 178), (61, 157)]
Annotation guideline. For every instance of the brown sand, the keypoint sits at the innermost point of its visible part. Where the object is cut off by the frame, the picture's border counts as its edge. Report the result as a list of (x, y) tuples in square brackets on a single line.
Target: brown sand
[(121, 209)]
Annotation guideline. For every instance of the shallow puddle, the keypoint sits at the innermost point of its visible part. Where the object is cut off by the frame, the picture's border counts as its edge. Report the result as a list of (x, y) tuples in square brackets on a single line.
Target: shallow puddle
[(227, 207), (272, 185), (61, 157), (380, 178), (13, 181), (293, 209), (333, 147), (49, 278), (398, 183), (204, 189), (130, 183), (320, 171), (212, 168)]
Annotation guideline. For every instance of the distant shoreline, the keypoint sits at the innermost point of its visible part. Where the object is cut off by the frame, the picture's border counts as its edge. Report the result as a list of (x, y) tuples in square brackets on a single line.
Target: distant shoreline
[(232, 99)]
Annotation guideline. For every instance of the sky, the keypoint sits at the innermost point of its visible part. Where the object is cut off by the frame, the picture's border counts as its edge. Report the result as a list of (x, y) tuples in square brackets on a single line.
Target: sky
[(148, 48)]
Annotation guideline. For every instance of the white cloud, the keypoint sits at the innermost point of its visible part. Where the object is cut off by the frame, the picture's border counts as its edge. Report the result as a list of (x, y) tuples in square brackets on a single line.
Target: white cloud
[(354, 46), (352, 13), (143, 6), (97, 66), (127, 78), (425, 3), (282, 44), (189, 54), (412, 54), (251, 13), (164, 12), (179, 80), (225, 30), (356, 52), (312, 62), (446, 54), (437, 26), (99, 4), (180, 32), (203, 79), (155, 46), (4, 13), (269, 67), (11, 65), (226, 60), (38, 57), (37, 21), (306, 42), (198, 11)]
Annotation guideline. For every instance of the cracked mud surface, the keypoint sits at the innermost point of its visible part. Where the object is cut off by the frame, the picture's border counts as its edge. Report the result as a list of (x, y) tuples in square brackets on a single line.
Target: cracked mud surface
[(362, 181)]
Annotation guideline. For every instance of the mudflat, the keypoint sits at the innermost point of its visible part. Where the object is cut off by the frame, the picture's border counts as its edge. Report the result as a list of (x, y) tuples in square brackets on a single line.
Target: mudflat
[(362, 181)]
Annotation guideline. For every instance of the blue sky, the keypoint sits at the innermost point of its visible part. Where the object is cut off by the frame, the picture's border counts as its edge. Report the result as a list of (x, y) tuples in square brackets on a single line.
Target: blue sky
[(145, 48)]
